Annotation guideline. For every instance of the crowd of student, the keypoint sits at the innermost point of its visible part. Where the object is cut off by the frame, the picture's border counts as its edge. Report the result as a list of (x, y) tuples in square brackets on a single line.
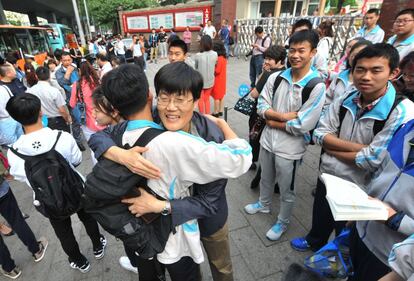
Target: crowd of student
[(363, 121)]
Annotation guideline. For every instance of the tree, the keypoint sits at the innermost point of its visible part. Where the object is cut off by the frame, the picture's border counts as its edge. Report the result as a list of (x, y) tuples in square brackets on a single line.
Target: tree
[(171, 2), (105, 12)]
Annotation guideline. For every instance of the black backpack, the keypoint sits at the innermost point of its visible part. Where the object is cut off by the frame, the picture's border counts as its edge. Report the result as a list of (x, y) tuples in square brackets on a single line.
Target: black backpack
[(378, 124), (106, 185), (307, 90), (58, 188)]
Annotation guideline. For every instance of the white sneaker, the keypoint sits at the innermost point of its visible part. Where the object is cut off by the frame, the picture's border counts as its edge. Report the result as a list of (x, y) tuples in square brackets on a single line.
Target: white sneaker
[(276, 231), (126, 264), (256, 207)]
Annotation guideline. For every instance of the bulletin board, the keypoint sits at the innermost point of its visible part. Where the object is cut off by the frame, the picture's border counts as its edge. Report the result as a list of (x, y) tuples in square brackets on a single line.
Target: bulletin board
[(165, 20)]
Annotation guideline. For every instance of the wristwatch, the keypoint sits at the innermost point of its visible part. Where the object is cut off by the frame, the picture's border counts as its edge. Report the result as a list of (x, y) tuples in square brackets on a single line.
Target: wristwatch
[(167, 209)]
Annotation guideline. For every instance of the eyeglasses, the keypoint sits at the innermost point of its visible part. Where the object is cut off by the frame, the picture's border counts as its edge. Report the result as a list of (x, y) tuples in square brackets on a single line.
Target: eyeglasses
[(404, 21), (179, 102), (407, 77)]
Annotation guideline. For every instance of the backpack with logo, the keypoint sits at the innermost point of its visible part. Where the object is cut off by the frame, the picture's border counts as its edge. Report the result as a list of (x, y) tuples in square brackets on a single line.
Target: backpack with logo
[(107, 185), (306, 91), (58, 188)]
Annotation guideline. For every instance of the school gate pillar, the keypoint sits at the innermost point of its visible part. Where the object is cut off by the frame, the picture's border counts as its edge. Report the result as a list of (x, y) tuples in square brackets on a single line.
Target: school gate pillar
[(224, 9)]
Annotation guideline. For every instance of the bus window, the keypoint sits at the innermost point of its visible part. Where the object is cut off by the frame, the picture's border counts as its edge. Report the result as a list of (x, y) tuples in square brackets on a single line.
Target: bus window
[(23, 40), (39, 41), (8, 41)]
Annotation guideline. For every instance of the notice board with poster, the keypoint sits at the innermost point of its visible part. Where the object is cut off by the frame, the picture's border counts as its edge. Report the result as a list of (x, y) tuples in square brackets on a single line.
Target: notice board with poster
[(165, 20), (144, 20)]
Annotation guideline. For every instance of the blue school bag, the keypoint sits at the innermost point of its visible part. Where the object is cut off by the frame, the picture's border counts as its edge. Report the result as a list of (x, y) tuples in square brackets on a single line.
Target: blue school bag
[(333, 259)]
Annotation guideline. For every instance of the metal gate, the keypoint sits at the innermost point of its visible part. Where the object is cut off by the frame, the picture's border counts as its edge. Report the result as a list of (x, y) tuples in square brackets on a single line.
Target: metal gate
[(344, 28)]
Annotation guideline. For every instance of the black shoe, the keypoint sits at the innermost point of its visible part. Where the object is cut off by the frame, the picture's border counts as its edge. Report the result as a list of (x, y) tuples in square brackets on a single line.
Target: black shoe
[(100, 252), (217, 115), (277, 189), (220, 113), (81, 147), (83, 267)]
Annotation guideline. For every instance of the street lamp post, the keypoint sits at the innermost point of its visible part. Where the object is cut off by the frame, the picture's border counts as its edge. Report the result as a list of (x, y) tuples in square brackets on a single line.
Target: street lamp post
[(87, 19), (78, 22)]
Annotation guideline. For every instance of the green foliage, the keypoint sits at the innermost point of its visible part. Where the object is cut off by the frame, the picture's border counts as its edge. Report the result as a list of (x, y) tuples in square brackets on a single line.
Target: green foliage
[(105, 12)]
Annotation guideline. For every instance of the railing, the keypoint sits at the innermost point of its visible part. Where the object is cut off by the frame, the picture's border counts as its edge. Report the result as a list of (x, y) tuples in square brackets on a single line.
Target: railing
[(344, 28)]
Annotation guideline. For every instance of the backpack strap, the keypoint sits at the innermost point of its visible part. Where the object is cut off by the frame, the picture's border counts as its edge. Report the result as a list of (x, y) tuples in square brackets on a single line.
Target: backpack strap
[(307, 90), (264, 40), (276, 85), (8, 90), (379, 124), (147, 136), (56, 141), (342, 111)]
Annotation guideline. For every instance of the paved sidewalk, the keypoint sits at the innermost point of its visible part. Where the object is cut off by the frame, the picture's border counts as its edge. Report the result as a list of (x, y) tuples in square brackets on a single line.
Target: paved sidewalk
[(254, 257)]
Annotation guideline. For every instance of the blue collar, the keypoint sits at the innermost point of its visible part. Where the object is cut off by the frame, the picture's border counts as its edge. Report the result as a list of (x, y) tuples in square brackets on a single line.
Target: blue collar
[(138, 124), (372, 32), (344, 76), (408, 41), (380, 110), (287, 75)]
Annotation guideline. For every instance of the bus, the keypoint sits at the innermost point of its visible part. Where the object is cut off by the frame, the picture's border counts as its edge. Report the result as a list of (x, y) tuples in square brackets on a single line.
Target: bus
[(60, 36), (24, 40)]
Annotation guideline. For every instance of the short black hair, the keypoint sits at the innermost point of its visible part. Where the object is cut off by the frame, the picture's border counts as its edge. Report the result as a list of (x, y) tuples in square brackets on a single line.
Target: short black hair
[(258, 30), (373, 11), (359, 43), (126, 88), (206, 43), (24, 108), (58, 54), (101, 101), (102, 57), (409, 11), (379, 50), (218, 47), (300, 23), (178, 78), (178, 43), (65, 54), (4, 68), (275, 52), (43, 73), (305, 35), (11, 59)]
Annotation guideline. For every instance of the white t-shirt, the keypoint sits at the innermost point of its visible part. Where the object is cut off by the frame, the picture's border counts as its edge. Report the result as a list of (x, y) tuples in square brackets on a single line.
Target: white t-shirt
[(49, 96), (209, 30), (40, 142), (105, 69), (185, 159), (5, 95), (120, 48)]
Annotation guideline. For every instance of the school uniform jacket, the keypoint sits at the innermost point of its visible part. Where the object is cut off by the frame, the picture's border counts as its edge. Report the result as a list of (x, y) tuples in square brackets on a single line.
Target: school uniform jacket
[(290, 144), (376, 35), (404, 47), (361, 131), (394, 185), (401, 259)]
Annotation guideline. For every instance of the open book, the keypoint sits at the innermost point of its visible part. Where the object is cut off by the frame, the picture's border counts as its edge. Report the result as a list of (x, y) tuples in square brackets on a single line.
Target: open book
[(348, 202)]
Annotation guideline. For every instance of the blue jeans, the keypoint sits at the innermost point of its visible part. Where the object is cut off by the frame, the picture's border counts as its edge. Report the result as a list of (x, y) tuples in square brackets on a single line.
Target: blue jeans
[(227, 47), (256, 65)]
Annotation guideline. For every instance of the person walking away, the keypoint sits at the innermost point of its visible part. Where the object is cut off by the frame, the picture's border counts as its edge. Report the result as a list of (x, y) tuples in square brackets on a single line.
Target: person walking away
[(53, 103), (205, 62), (224, 34), (153, 42), (220, 78)]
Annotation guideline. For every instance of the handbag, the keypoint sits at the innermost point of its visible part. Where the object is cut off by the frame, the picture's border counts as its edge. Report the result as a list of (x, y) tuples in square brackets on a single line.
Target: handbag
[(333, 259), (245, 105), (256, 131), (79, 111)]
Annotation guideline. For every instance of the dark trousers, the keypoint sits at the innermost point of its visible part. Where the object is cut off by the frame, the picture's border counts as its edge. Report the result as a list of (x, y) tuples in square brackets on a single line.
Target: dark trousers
[(367, 267), (131, 255), (323, 222), (58, 123), (256, 65), (183, 270), (12, 214), (122, 58), (254, 141), (140, 61), (64, 232)]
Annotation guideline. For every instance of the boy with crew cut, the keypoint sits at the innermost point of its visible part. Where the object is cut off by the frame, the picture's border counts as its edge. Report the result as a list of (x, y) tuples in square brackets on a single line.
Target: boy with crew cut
[(403, 27), (182, 158), (354, 133), (290, 115), (26, 109), (371, 31)]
